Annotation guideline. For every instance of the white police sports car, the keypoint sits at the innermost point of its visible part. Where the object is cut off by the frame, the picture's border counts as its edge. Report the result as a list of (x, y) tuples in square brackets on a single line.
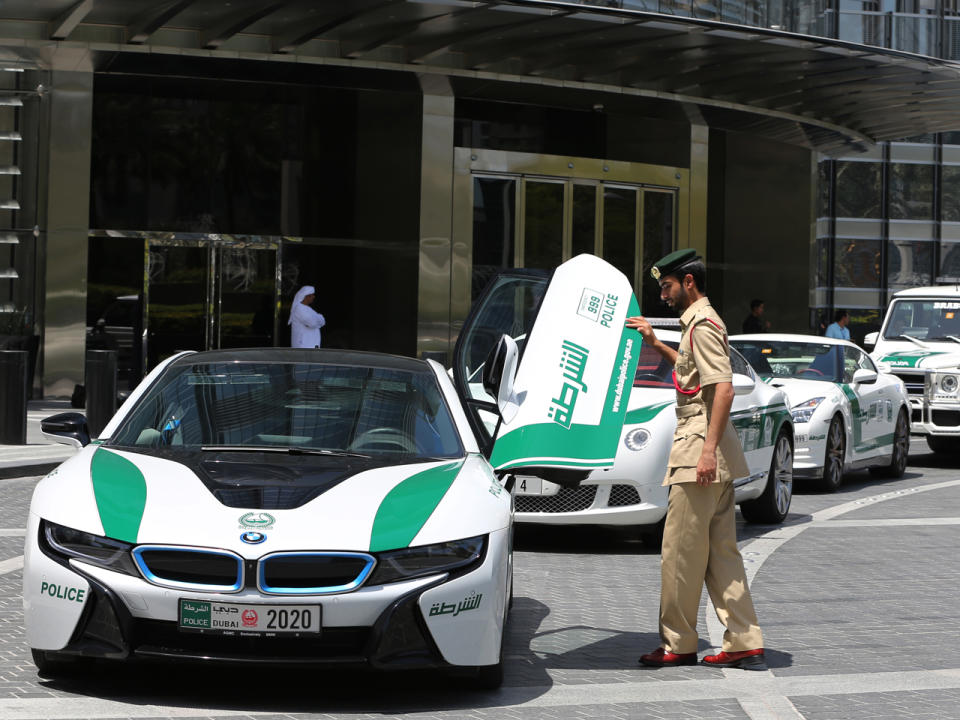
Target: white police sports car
[(847, 414), (630, 493), (317, 506)]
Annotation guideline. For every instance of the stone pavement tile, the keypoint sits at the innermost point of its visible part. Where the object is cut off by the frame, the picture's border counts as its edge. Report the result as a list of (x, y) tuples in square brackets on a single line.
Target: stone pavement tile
[(16, 493), (906, 705), (859, 600), (927, 504), (10, 547)]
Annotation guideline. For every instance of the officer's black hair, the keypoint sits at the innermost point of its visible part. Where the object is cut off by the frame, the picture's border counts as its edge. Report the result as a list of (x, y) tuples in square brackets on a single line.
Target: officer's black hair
[(695, 268), (755, 303), (840, 315)]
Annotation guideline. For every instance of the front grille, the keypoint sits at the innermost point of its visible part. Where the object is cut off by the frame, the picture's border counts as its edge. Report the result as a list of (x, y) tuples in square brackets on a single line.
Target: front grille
[(190, 568), (303, 573), (945, 418), (158, 638), (914, 382), (566, 500), (621, 495)]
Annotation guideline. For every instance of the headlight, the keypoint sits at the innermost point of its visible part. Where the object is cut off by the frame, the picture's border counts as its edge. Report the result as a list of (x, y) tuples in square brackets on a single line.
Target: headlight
[(804, 411), (948, 384), (426, 560), (61, 542), (636, 439)]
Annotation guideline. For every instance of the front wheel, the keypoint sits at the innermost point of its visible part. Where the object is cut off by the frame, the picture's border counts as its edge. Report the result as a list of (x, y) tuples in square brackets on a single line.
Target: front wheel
[(772, 506), (833, 460), (901, 448)]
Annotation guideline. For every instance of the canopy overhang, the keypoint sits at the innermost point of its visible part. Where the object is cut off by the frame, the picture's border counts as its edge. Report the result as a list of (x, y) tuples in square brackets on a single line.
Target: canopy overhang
[(827, 95)]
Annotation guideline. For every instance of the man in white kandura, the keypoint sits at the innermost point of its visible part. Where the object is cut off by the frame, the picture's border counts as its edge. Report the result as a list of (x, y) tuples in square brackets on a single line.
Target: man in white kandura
[(305, 322)]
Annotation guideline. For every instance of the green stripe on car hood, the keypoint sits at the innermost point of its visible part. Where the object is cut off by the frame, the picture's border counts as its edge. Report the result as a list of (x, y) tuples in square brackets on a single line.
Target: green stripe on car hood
[(120, 491), (408, 506)]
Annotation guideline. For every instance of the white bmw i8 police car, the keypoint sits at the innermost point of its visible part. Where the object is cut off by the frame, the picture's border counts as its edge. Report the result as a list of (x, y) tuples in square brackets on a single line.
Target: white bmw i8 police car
[(847, 414), (321, 506), (630, 493)]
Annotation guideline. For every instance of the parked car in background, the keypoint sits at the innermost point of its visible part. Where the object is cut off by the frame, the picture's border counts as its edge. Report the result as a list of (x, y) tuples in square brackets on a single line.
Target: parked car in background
[(919, 342), (847, 415), (630, 493)]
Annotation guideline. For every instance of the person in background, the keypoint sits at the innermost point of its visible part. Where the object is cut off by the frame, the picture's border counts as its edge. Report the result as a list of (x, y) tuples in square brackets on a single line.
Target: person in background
[(305, 322), (754, 322), (838, 328)]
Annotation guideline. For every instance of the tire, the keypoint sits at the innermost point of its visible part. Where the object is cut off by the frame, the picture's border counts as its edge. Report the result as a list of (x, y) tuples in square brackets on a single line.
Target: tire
[(833, 459), (50, 664), (945, 445), (772, 506), (901, 449)]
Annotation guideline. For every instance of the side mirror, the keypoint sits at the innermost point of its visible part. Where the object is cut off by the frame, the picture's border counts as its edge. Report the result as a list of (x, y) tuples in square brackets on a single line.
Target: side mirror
[(871, 338), (864, 377), (69, 428), (499, 373), (743, 384)]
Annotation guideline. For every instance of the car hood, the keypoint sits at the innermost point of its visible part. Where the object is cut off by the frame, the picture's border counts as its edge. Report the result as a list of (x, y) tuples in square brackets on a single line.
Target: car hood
[(909, 356), (141, 498), (799, 390)]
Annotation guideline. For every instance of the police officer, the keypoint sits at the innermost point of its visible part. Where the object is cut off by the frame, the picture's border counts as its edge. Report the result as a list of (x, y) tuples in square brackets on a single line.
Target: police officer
[(699, 538)]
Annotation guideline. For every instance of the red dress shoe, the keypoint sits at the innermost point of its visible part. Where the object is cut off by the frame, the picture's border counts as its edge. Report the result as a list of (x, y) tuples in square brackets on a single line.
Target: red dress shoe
[(664, 658), (745, 659)]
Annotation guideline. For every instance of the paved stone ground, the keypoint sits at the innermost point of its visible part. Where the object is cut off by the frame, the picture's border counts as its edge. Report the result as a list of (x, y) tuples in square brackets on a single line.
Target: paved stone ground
[(857, 609)]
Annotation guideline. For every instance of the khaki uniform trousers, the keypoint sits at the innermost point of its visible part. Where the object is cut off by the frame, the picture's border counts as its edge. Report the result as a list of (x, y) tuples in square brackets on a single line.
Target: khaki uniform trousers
[(700, 544)]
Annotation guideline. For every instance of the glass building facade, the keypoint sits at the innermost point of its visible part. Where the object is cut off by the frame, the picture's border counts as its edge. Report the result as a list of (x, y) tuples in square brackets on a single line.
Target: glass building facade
[(888, 218), (177, 171)]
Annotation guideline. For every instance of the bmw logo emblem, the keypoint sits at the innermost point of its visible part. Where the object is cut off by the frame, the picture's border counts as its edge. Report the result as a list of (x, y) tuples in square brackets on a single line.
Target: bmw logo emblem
[(253, 538)]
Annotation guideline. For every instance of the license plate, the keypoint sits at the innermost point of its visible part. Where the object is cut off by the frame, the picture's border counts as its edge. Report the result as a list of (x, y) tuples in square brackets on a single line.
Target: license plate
[(242, 619), (535, 486)]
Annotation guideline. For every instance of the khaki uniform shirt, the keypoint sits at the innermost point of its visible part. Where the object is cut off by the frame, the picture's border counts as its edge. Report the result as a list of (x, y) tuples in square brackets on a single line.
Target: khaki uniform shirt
[(703, 360)]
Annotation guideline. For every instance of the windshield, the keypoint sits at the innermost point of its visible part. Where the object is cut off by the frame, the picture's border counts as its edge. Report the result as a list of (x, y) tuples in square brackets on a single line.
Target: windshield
[(652, 369), (923, 319), (294, 407), (808, 360)]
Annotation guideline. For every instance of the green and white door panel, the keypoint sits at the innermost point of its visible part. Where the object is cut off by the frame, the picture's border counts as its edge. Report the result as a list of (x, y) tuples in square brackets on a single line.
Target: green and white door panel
[(575, 373)]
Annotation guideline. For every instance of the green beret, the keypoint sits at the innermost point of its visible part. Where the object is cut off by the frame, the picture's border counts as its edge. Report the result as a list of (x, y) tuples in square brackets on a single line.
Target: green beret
[(672, 262)]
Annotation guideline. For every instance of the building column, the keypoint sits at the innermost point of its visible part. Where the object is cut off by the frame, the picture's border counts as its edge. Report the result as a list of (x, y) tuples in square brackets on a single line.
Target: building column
[(699, 168), (436, 218), (65, 219)]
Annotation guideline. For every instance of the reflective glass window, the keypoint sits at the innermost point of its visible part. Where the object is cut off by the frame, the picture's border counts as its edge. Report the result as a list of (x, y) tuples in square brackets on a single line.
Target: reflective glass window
[(858, 189), (950, 259), (823, 262), (857, 263), (911, 191), (657, 242), (620, 229), (909, 263), (543, 224), (584, 219), (494, 201), (950, 193), (823, 189)]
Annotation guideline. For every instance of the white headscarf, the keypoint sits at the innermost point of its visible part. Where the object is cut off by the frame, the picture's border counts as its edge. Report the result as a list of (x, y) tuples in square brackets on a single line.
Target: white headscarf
[(298, 299)]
